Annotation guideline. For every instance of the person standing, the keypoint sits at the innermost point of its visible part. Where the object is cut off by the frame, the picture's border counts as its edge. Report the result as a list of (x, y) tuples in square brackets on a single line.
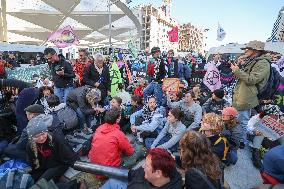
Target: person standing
[(62, 74), (252, 74), (81, 63)]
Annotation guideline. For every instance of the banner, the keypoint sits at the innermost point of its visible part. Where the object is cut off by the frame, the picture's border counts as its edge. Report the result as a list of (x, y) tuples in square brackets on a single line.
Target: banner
[(271, 126), (212, 77), (196, 78), (221, 34), (63, 37), (171, 85), (115, 78), (173, 34), (133, 49)]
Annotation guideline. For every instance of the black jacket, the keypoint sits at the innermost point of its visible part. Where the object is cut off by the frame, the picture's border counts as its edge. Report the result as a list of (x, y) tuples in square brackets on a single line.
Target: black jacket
[(77, 98), (62, 81), (91, 76), (136, 180), (174, 64), (57, 152)]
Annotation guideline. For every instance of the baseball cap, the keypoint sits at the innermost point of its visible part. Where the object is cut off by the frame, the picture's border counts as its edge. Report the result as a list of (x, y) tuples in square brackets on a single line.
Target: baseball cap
[(230, 111)]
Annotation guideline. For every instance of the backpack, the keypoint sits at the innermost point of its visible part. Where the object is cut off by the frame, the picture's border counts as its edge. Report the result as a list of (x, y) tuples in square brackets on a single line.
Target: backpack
[(270, 88), (16, 179), (69, 117), (230, 156)]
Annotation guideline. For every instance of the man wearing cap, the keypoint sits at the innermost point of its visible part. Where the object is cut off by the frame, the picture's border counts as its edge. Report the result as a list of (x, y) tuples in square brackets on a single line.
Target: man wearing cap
[(48, 153), (18, 150), (156, 72), (252, 75)]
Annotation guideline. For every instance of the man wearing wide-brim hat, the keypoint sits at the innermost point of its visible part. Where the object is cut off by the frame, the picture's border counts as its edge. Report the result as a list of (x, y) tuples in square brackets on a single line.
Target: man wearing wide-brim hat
[(252, 74)]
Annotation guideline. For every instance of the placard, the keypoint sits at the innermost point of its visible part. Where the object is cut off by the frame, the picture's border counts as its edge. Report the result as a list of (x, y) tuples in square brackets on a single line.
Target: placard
[(171, 85)]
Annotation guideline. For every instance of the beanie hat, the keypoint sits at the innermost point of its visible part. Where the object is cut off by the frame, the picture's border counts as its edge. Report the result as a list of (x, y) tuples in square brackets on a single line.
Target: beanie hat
[(39, 124), (219, 93), (35, 108)]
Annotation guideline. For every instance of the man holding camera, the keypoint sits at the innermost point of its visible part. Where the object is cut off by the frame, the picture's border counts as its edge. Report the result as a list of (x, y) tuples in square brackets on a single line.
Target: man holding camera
[(62, 74)]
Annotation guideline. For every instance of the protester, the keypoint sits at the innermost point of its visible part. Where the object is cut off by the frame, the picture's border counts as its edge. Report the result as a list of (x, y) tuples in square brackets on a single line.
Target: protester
[(192, 110), (97, 75), (200, 163), (216, 103), (159, 171), (62, 74), (49, 154), (80, 65), (252, 74)]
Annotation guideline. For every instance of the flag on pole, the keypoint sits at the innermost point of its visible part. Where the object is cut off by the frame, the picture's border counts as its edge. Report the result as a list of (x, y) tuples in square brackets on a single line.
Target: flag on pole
[(63, 37), (173, 34), (221, 34), (212, 77)]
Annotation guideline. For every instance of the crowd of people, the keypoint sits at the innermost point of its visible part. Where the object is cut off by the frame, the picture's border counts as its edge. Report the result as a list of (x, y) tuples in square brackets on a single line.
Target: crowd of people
[(192, 133)]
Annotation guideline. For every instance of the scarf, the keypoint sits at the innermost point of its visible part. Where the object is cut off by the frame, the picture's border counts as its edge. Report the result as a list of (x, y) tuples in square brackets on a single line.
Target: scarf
[(147, 114)]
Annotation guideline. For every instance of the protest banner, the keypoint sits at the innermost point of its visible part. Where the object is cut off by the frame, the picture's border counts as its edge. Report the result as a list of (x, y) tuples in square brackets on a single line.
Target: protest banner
[(171, 85), (212, 77), (197, 78), (271, 126), (63, 37)]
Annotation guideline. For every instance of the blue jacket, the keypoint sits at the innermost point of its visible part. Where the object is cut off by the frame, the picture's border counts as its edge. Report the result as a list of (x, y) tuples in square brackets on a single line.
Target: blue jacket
[(273, 163)]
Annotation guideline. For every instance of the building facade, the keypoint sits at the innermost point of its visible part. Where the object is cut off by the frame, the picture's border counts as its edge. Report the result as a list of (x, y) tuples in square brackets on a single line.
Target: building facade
[(278, 28)]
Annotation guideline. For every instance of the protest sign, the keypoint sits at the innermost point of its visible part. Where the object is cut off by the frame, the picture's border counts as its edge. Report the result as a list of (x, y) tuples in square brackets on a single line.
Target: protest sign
[(171, 84), (212, 77)]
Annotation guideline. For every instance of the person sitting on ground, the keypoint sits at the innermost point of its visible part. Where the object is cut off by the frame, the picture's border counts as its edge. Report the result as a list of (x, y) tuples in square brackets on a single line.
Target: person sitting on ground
[(273, 166), (200, 96), (215, 103), (17, 150), (109, 143), (44, 92), (141, 85), (172, 132), (159, 171), (212, 127), (148, 121), (192, 110), (84, 101), (48, 153), (202, 167)]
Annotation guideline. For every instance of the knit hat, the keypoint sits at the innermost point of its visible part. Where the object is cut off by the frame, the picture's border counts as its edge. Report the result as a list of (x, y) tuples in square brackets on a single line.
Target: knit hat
[(219, 93), (35, 108), (230, 111), (39, 124)]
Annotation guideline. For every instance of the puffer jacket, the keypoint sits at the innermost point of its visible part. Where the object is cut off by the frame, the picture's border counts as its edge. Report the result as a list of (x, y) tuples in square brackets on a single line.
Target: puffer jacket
[(108, 144), (249, 79)]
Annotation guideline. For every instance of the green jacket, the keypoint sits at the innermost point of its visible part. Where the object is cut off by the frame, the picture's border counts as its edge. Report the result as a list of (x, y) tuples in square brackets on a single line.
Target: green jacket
[(252, 77)]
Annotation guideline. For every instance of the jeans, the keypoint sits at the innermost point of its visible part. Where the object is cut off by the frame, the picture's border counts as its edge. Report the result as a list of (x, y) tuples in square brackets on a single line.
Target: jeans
[(156, 89), (243, 117), (149, 142), (115, 184), (84, 119), (62, 93)]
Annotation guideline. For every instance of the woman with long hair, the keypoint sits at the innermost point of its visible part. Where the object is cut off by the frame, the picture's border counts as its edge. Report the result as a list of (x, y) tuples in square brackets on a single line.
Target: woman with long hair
[(202, 166)]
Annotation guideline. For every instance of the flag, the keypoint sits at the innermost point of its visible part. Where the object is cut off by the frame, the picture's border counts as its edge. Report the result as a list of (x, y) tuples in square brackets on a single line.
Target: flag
[(221, 34), (173, 34), (212, 77), (63, 37)]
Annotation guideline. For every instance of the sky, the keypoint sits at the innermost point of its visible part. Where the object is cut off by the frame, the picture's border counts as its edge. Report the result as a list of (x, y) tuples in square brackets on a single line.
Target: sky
[(243, 20)]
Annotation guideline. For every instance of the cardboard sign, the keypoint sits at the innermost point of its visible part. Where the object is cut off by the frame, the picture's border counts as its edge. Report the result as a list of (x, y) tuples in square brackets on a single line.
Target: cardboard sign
[(171, 85), (271, 126)]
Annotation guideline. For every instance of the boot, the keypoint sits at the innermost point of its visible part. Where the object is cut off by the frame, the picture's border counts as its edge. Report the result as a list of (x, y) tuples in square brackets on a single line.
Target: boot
[(256, 158)]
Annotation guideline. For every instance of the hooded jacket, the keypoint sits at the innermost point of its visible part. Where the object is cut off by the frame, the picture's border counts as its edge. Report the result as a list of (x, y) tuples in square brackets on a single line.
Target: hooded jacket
[(108, 144), (67, 79), (136, 180), (252, 77)]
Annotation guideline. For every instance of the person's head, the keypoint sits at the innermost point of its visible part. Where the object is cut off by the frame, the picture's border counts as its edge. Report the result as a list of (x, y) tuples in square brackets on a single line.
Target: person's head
[(218, 94), (93, 96), (171, 53), (211, 124), (216, 57), (175, 115), (151, 102), (156, 52), (196, 90), (189, 97), (196, 153), (113, 115), (37, 128), (99, 60), (136, 100), (51, 55), (229, 117), (34, 110), (83, 54), (116, 102), (159, 165), (52, 100), (46, 91), (254, 49)]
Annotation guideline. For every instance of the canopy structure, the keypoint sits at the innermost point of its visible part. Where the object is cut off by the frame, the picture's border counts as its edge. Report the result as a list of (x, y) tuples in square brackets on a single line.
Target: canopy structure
[(31, 21)]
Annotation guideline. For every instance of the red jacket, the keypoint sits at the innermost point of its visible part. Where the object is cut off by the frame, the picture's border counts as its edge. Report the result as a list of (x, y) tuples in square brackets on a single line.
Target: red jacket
[(107, 145)]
